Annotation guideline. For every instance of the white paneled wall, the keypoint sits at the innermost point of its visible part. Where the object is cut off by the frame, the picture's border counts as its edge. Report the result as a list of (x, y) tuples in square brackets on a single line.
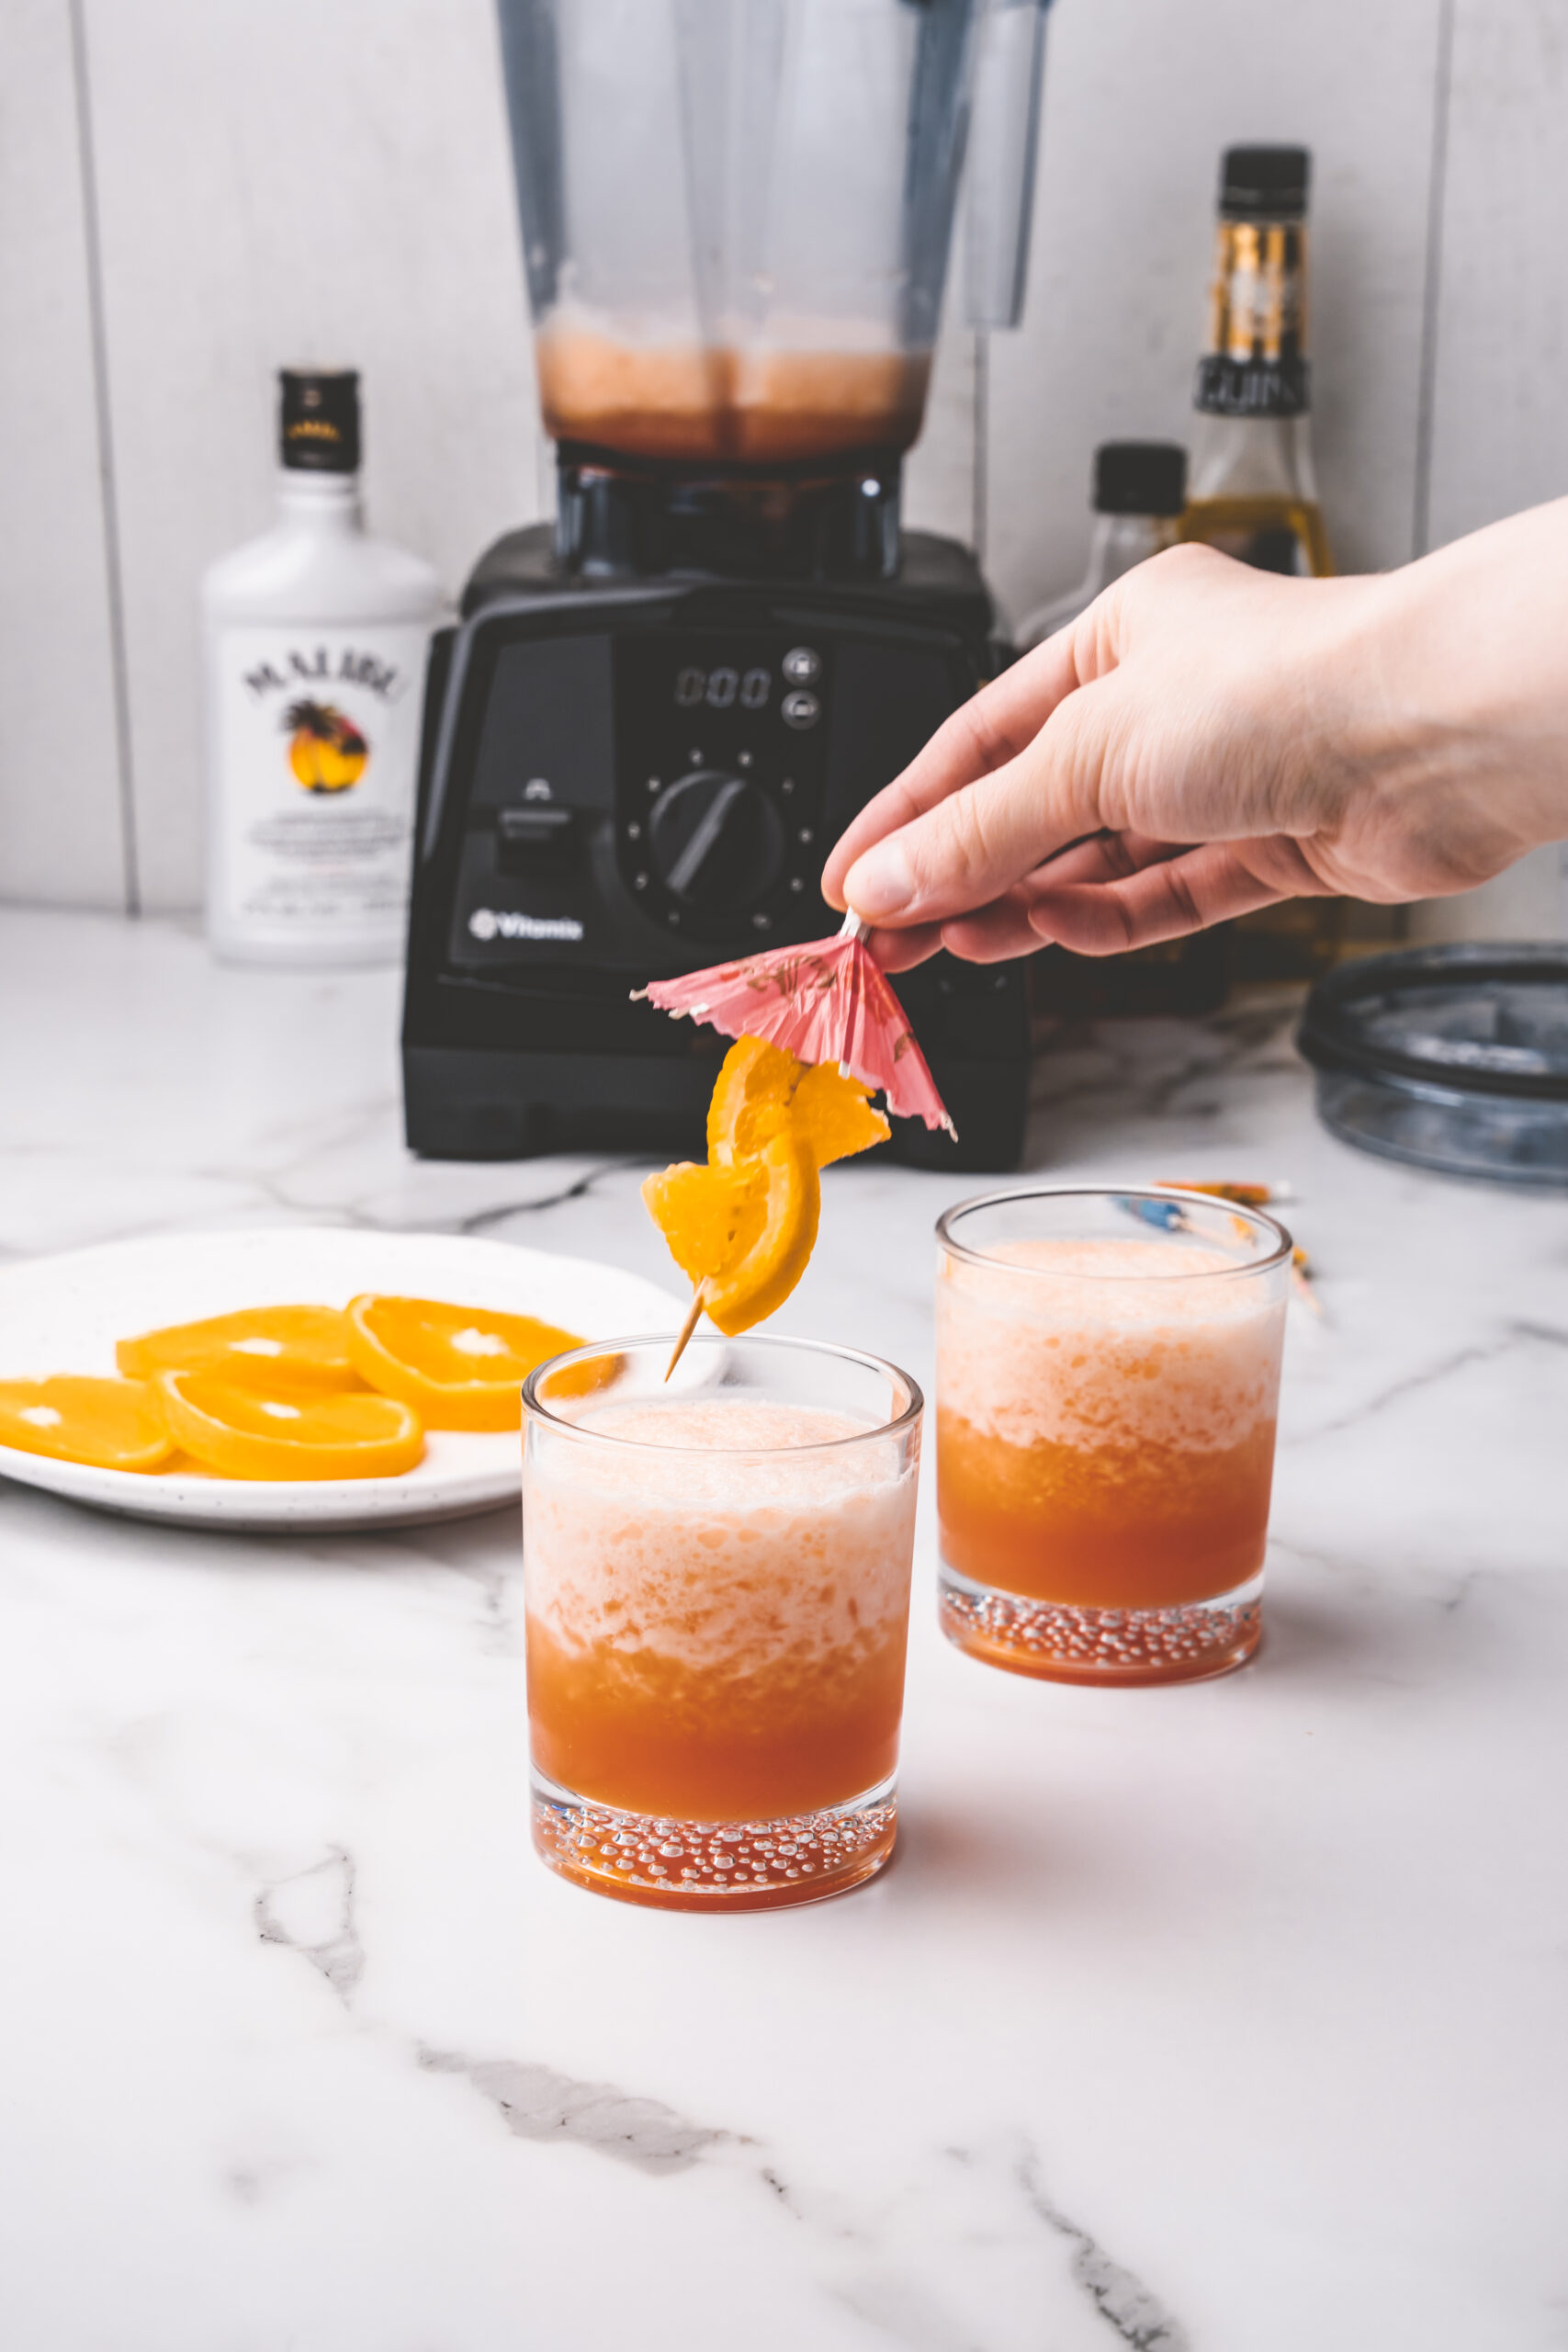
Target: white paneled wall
[(1499, 389), (60, 832), (1141, 98), (329, 180), (1500, 378), (314, 180)]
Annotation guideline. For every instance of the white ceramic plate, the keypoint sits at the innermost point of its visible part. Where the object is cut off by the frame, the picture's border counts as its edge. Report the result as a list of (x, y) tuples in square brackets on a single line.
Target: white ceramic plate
[(64, 1314)]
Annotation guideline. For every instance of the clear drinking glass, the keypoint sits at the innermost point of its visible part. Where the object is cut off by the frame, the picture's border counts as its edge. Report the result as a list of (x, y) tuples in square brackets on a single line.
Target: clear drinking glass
[(1108, 1376), (717, 1587)]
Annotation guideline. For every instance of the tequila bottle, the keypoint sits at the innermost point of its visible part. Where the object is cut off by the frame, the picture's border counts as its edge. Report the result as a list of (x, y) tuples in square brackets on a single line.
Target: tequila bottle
[(1252, 492), (1251, 489)]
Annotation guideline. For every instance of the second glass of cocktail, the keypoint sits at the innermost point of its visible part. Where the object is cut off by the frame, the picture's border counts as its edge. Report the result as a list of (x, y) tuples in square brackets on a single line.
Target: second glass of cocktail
[(1107, 1375), (717, 1588)]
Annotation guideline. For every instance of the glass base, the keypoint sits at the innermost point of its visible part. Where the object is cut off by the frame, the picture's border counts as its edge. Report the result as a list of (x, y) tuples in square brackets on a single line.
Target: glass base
[(1060, 1643), (714, 1865)]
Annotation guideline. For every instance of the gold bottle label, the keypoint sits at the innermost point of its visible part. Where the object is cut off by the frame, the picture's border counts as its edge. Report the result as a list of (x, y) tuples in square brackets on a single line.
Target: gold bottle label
[(1256, 363)]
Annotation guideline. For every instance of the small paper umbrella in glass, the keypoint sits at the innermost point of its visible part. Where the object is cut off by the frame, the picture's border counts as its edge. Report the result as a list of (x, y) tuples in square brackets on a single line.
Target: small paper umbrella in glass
[(828, 1001), (825, 1003)]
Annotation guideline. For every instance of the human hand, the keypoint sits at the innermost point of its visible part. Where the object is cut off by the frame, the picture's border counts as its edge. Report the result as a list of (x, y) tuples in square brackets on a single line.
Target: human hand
[(1207, 740)]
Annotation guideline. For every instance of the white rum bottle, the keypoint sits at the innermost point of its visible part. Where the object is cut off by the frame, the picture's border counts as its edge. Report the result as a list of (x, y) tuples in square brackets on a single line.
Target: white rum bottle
[(1251, 488), (314, 644)]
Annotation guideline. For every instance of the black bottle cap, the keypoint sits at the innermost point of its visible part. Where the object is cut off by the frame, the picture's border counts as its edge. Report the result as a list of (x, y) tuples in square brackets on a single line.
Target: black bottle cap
[(1265, 183), (319, 421), (1140, 477)]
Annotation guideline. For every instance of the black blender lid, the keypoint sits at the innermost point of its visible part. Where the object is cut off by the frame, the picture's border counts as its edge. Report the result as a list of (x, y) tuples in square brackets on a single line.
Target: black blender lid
[(1140, 477), (1484, 1019)]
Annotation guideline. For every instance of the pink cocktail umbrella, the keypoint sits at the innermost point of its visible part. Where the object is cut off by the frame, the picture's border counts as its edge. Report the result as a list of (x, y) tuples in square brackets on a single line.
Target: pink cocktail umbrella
[(827, 1001)]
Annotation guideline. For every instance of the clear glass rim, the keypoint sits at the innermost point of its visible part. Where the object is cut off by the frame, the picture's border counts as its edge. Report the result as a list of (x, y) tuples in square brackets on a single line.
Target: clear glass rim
[(1258, 1219), (642, 1341)]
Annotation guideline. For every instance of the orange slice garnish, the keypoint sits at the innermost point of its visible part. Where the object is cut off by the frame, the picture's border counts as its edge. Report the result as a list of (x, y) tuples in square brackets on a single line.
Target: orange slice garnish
[(742, 1229), (460, 1367), (710, 1216), (750, 1098), (835, 1115), (294, 1346), (109, 1424), (306, 1433), (762, 1090), (759, 1279)]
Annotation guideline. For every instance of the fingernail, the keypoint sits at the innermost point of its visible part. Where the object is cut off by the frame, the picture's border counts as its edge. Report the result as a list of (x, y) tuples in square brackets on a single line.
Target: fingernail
[(879, 882)]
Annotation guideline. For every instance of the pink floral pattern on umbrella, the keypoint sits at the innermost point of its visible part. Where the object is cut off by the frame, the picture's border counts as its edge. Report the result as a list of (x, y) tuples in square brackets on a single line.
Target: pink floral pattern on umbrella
[(827, 1001)]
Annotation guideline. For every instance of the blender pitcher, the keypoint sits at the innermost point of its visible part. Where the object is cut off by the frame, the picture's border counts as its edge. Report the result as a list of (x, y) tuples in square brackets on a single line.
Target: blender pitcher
[(737, 213)]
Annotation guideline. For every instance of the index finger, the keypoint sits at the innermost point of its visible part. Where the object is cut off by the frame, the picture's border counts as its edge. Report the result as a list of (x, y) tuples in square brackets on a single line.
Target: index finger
[(981, 736)]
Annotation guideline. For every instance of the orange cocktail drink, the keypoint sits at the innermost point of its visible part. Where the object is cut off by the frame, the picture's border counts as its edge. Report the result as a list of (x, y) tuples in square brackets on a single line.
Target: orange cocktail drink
[(1108, 1381), (717, 1587)]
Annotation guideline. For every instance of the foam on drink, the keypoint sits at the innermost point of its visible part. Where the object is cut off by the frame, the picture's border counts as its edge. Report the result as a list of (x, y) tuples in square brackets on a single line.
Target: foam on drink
[(1107, 1338), (721, 1554)]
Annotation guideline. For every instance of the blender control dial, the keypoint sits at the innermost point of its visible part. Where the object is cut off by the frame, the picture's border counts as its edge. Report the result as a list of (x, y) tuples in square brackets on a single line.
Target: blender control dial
[(717, 841)]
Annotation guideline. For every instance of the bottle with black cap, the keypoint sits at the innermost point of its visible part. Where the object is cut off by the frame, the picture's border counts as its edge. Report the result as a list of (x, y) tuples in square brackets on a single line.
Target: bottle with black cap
[(1140, 487), (314, 643), (1252, 489)]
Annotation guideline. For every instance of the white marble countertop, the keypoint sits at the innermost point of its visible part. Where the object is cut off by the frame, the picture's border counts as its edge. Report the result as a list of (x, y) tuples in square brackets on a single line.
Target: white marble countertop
[(1228, 2019)]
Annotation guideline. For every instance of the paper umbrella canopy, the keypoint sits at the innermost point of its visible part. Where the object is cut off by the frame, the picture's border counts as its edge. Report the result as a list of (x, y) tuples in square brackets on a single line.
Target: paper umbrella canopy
[(827, 1001)]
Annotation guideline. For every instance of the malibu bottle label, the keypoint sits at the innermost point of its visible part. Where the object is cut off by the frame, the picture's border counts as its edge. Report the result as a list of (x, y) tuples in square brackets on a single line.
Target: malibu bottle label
[(317, 748)]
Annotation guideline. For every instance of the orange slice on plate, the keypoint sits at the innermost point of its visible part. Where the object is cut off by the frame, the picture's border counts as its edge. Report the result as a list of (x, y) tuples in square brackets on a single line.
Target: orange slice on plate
[(243, 1432), (460, 1367), (297, 1347), (760, 1278), (109, 1424)]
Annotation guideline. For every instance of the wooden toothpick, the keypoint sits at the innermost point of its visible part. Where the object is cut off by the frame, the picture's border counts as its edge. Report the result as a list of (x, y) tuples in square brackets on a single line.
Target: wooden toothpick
[(693, 1317)]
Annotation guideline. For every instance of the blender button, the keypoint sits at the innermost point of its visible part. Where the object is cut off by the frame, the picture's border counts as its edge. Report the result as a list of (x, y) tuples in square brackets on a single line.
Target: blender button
[(800, 710), (801, 666)]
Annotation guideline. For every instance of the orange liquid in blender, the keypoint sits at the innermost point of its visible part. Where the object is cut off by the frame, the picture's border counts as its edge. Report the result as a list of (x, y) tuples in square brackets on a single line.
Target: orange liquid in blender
[(1105, 1440), (724, 404), (716, 1635)]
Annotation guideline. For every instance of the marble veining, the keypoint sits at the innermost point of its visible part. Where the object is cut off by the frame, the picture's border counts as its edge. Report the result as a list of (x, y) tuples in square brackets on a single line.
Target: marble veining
[(1196, 2020), (539, 2104), (312, 1911)]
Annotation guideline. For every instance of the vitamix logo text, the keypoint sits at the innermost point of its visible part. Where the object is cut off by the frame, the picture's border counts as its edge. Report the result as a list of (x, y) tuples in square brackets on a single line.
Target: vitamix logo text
[(485, 923)]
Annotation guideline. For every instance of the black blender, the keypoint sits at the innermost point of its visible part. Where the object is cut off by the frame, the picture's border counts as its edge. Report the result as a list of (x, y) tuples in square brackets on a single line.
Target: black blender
[(655, 716)]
